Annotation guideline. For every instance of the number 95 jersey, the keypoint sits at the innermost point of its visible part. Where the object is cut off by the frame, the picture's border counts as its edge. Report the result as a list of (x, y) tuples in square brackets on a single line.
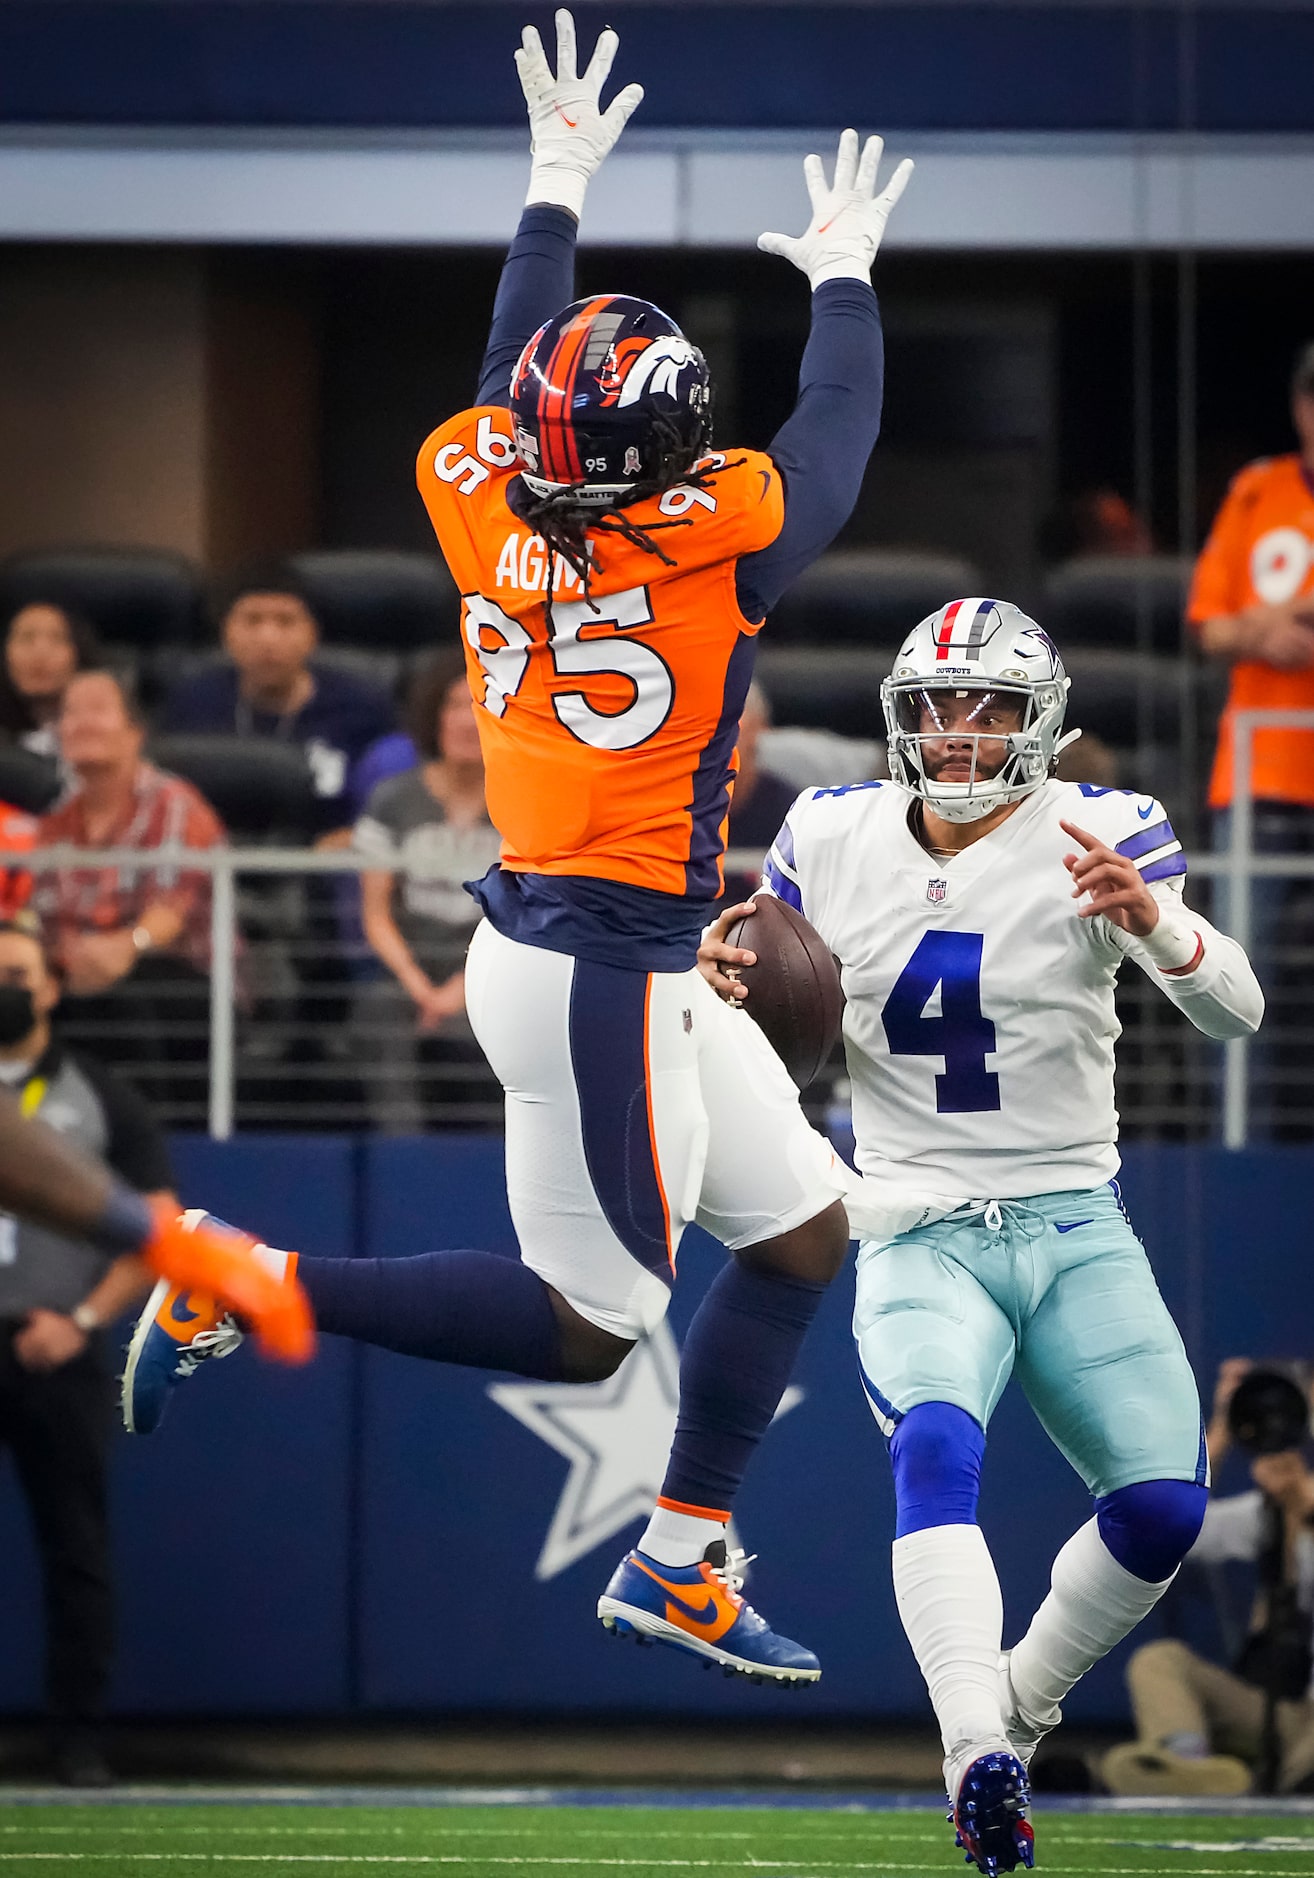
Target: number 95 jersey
[(608, 735), (979, 1026)]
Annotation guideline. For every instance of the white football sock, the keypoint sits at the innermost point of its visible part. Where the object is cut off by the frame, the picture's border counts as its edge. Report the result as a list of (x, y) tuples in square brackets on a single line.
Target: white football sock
[(679, 1538), (1092, 1603), (274, 1261), (953, 1612)]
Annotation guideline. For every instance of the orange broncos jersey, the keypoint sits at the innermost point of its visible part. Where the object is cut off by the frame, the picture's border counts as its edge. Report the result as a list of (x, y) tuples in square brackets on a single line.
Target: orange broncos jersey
[(608, 738), (1261, 548)]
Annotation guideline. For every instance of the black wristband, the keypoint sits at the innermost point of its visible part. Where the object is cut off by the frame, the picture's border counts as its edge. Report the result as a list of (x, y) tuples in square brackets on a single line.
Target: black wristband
[(125, 1225)]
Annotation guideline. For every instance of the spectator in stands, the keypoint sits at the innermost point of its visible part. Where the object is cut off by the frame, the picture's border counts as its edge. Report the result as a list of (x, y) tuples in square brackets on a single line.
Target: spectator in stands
[(1096, 521), (1252, 605), (271, 685), (132, 944), (58, 1298), (428, 831), (761, 799), (44, 645)]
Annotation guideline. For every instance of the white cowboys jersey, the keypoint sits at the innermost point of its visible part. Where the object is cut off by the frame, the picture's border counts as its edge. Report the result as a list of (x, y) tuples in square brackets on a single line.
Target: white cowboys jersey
[(979, 1026)]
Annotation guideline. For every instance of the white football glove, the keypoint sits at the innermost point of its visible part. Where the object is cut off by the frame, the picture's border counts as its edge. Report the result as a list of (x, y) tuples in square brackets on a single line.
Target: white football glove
[(569, 132), (848, 219)]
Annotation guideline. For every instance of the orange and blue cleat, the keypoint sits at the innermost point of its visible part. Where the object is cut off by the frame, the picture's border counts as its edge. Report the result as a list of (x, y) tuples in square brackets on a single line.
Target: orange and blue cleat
[(698, 1608), (990, 1815), (180, 1328)]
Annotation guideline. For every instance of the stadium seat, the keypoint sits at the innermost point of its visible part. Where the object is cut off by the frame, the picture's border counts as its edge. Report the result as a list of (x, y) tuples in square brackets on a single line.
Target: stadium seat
[(826, 687), (1132, 603), (259, 788), (865, 596), (27, 781), (142, 598), (1125, 698), (383, 598)]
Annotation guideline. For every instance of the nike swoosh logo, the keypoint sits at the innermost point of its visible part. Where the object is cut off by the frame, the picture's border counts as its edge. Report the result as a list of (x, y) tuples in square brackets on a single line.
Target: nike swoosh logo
[(703, 1616), (1071, 1225), (571, 123), (1145, 814), (825, 226), (766, 484), (179, 1312)]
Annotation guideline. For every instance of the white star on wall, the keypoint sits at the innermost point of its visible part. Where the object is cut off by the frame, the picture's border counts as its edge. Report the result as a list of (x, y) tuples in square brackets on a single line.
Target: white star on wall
[(617, 1437)]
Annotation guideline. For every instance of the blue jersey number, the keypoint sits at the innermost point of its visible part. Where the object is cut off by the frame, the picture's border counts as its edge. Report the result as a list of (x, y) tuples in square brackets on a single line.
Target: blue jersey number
[(961, 1034)]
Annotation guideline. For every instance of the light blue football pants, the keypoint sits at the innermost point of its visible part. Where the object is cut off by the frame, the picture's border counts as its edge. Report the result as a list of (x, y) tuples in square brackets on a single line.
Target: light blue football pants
[(1057, 1286)]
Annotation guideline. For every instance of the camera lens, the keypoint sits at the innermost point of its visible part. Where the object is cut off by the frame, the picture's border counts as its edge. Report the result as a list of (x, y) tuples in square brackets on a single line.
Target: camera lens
[(1268, 1413)]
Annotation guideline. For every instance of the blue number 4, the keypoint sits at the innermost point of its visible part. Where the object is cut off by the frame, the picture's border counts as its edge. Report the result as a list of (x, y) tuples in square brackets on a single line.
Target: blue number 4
[(961, 1034)]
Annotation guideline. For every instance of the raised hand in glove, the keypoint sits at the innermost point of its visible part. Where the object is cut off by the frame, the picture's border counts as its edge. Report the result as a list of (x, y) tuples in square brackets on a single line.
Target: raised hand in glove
[(848, 217), (570, 133)]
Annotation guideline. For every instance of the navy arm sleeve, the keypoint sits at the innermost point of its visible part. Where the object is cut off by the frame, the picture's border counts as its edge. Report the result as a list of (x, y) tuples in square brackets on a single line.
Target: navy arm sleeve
[(822, 448), (538, 279)]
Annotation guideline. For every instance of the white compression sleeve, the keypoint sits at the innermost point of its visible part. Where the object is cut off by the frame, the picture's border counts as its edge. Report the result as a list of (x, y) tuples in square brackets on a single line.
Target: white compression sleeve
[(1092, 1604), (952, 1609)]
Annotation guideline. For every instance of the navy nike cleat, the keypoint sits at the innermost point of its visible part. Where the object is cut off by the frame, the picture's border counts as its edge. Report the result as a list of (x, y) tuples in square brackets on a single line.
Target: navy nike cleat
[(698, 1608), (176, 1331), (990, 1815)]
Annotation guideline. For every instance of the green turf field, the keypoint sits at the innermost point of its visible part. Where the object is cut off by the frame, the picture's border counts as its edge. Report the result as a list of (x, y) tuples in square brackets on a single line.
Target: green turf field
[(152, 1841)]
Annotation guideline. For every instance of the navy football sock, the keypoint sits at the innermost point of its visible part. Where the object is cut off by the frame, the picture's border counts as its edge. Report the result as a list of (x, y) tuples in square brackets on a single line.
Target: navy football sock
[(475, 1308), (737, 1360)]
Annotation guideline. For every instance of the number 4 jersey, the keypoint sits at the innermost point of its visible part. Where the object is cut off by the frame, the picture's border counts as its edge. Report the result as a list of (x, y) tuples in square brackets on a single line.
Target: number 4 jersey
[(609, 732), (979, 1026)]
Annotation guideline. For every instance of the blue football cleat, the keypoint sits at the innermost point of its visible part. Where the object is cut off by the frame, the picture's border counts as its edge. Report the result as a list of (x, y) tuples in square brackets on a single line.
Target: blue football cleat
[(698, 1608), (176, 1331), (990, 1815)]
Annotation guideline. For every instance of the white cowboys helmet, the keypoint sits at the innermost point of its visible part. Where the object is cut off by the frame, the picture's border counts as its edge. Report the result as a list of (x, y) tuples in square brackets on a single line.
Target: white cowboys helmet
[(990, 651)]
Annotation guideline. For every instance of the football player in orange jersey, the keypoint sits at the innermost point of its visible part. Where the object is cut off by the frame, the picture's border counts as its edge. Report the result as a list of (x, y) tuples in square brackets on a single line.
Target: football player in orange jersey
[(614, 573)]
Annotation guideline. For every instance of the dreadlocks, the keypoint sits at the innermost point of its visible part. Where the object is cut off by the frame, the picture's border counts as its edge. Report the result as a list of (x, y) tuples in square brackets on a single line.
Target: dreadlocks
[(565, 518)]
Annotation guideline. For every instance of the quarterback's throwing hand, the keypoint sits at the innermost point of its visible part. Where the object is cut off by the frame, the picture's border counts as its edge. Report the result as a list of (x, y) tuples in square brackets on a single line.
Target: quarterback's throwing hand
[(1114, 884), (570, 133), (848, 217)]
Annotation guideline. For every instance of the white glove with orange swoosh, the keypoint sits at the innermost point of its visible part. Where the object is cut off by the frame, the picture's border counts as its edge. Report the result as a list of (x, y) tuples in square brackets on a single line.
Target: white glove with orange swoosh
[(570, 132), (848, 217)]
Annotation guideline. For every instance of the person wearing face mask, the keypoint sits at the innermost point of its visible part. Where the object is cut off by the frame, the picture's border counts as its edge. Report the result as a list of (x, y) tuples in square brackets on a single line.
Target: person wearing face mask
[(58, 1297)]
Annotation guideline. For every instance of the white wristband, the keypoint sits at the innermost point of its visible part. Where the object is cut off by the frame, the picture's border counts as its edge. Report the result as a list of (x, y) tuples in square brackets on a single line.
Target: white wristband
[(562, 188), (1173, 943)]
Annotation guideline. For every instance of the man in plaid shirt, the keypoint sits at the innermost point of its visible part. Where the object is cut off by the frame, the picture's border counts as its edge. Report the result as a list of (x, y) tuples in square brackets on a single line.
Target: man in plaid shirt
[(132, 945)]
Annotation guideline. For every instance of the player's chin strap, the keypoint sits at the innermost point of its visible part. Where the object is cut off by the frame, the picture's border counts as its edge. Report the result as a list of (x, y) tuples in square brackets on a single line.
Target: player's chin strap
[(1065, 742)]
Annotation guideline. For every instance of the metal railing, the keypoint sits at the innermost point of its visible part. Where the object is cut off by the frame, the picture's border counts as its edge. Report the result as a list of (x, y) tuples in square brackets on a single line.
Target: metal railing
[(1168, 1080)]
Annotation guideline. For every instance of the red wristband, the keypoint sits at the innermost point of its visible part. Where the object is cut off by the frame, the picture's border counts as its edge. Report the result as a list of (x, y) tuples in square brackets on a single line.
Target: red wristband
[(1180, 971)]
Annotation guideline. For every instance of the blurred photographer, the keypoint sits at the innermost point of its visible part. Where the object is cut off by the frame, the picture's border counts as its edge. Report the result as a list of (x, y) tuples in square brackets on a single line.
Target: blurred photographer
[(59, 1297), (1202, 1729)]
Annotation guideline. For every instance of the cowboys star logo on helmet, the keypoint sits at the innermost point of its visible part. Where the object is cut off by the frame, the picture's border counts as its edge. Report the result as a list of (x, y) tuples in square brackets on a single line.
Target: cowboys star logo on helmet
[(993, 653)]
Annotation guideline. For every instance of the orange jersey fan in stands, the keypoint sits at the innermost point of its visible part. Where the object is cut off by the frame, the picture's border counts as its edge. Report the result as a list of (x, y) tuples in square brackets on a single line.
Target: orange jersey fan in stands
[(654, 671), (1261, 550)]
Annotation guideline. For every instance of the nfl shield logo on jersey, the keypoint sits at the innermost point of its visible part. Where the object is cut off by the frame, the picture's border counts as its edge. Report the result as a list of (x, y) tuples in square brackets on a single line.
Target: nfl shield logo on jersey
[(936, 890)]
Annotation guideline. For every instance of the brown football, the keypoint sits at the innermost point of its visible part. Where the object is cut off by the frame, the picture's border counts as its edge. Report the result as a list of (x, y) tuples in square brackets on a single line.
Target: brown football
[(794, 989)]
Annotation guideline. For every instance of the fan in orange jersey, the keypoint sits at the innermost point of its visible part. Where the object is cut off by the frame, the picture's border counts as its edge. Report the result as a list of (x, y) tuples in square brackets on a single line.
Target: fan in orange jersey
[(1252, 603), (614, 572)]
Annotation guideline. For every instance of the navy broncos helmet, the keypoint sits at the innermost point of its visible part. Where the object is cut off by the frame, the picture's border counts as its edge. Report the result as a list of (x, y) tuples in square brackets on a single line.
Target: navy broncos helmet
[(610, 401)]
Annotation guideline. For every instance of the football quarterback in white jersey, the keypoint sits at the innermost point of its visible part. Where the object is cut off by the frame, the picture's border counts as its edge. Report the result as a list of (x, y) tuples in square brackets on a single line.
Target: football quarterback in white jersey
[(980, 911)]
